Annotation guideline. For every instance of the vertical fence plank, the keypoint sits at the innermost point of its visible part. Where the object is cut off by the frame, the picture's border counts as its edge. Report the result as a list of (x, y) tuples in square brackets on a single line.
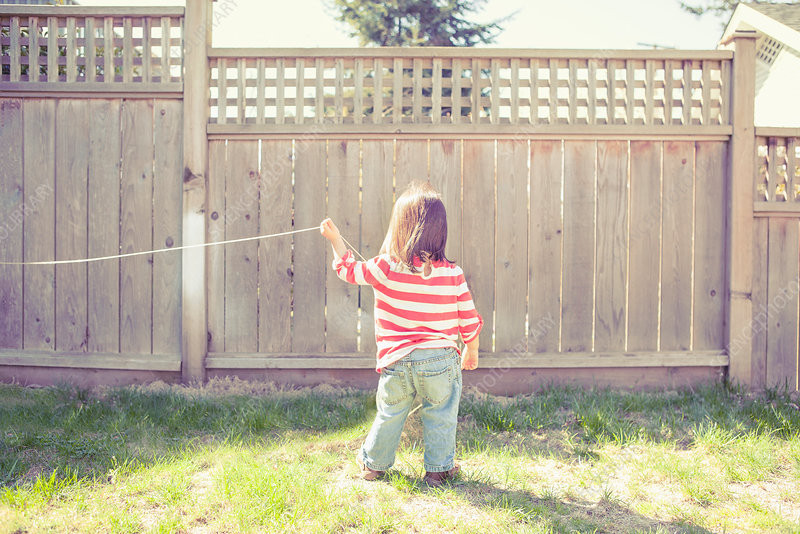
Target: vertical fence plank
[(11, 208), (167, 198), (39, 125), (650, 91), (397, 91), (376, 169), (758, 331), (533, 117), (676, 243), (103, 233), (553, 96), (109, 71), (475, 91), (358, 96), (71, 173), (241, 259), (165, 39), (15, 50), (319, 91), (339, 91), (515, 91), (709, 248), (280, 91), (308, 320), (300, 89), (411, 164), (377, 91), (591, 100), (71, 52), (275, 255), (89, 51), (33, 49), (494, 94), (612, 245), (215, 255), (127, 50), (446, 179), (416, 99), (611, 94), (544, 247), (455, 94), (669, 83), (260, 90), (479, 232), (645, 210), (342, 298), (52, 49), (686, 98), (579, 246), (146, 51), (572, 103), (705, 102), (222, 90), (136, 274), (240, 92), (436, 92), (782, 297), (511, 264), (630, 91)]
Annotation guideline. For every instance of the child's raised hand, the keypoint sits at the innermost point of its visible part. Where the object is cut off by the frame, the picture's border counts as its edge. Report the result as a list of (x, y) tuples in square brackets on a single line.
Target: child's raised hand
[(329, 230)]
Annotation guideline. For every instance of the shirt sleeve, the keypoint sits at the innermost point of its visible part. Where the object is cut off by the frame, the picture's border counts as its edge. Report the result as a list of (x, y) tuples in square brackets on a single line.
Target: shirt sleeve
[(469, 320), (371, 272)]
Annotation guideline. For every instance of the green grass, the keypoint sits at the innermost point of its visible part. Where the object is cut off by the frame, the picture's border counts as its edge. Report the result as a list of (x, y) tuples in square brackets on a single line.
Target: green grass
[(240, 457)]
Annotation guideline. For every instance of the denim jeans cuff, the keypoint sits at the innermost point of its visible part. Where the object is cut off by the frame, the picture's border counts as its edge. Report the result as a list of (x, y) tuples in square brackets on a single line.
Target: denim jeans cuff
[(439, 468), (370, 464)]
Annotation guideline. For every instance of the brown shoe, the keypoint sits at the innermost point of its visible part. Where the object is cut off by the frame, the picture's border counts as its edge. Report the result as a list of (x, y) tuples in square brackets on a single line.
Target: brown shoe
[(366, 472), (436, 479)]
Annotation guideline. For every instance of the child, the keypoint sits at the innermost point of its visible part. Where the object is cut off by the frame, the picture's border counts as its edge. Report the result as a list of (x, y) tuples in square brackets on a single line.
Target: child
[(422, 306)]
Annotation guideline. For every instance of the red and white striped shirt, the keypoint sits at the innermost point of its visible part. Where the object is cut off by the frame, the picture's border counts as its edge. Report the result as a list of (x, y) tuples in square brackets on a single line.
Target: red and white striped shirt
[(414, 311)]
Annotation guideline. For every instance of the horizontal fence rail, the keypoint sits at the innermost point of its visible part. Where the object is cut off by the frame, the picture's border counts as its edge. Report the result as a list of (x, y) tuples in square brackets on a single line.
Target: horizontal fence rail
[(444, 87), (97, 49), (777, 180)]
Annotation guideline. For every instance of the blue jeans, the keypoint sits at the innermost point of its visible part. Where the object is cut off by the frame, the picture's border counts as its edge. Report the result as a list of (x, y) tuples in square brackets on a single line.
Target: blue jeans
[(434, 374)]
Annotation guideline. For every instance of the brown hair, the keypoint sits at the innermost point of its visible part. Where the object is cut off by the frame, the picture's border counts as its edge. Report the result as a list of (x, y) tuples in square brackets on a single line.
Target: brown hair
[(418, 227)]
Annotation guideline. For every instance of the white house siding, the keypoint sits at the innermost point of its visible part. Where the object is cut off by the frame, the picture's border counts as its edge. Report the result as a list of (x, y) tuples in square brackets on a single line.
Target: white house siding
[(778, 99)]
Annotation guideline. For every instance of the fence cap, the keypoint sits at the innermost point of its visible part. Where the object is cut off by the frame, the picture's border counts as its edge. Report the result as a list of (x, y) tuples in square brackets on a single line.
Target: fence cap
[(740, 34)]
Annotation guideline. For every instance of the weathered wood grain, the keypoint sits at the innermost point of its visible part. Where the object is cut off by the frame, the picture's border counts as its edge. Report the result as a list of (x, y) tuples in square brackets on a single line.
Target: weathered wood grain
[(167, 207), (136, 209), (478, 227), (756, 335), (215, 255), (579, 246), (275, 255), (103, 232), (342, 298), (308, 310), (377, 167), (241, 259), (544, 247), (676, 245), (643, 274), (709, 246), (612, 245), (445, 177), (411, 163), (12, 207), (72, 151), (39, 125), (511, 264), (782, 298)]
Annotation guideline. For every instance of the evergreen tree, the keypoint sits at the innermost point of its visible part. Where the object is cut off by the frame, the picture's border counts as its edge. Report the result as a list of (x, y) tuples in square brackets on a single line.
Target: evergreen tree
[(416, 22)]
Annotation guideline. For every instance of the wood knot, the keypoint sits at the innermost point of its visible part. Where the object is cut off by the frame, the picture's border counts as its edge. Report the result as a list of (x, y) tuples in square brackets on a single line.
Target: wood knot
[(169, 242)]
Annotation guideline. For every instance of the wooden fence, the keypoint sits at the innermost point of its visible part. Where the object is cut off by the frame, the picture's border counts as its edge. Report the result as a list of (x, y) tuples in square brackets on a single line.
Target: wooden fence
[(602, 203)]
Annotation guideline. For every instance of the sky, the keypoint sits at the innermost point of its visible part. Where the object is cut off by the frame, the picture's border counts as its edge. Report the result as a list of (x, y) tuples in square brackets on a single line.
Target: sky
[(616, 24)]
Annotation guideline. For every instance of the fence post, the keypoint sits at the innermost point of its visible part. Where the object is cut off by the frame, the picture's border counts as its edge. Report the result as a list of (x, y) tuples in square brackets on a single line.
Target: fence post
[(196, 39), (739, 331)]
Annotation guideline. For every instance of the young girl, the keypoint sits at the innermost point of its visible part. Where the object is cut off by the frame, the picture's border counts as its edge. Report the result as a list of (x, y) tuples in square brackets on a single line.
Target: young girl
[(422, 306)]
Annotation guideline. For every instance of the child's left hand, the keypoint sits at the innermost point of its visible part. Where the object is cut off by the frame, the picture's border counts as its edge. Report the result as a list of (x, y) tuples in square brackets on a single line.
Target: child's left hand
[(329, 230)]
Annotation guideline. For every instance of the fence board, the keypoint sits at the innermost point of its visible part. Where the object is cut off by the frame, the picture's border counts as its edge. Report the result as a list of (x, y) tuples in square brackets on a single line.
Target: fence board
[(544, 246), (643, 276), (38, 236), (167, 205), (511, 264), (308, 319), (342, 298), (579, 246), (612, 245), (411, 163), (136, 274), (759, 296), (215, 256), (103, 231), (782, 299), (377, 168), (11, 208), (676, 242), (709, 246), (479, 230), (446, 179), (275, 255), (71, 233), (241, 259)]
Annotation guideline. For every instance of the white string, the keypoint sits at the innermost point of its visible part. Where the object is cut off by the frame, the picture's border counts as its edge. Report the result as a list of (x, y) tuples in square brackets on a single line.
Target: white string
[(131, 254)]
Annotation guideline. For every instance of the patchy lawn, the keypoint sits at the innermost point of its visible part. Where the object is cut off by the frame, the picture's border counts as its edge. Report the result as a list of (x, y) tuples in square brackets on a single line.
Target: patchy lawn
[(240, 457)]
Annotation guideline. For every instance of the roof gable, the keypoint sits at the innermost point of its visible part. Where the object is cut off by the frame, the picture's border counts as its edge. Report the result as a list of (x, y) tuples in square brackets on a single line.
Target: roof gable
[(787, 14)]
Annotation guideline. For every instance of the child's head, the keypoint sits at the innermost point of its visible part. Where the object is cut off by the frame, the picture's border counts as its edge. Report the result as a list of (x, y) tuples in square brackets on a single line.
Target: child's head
[(418, 228)]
